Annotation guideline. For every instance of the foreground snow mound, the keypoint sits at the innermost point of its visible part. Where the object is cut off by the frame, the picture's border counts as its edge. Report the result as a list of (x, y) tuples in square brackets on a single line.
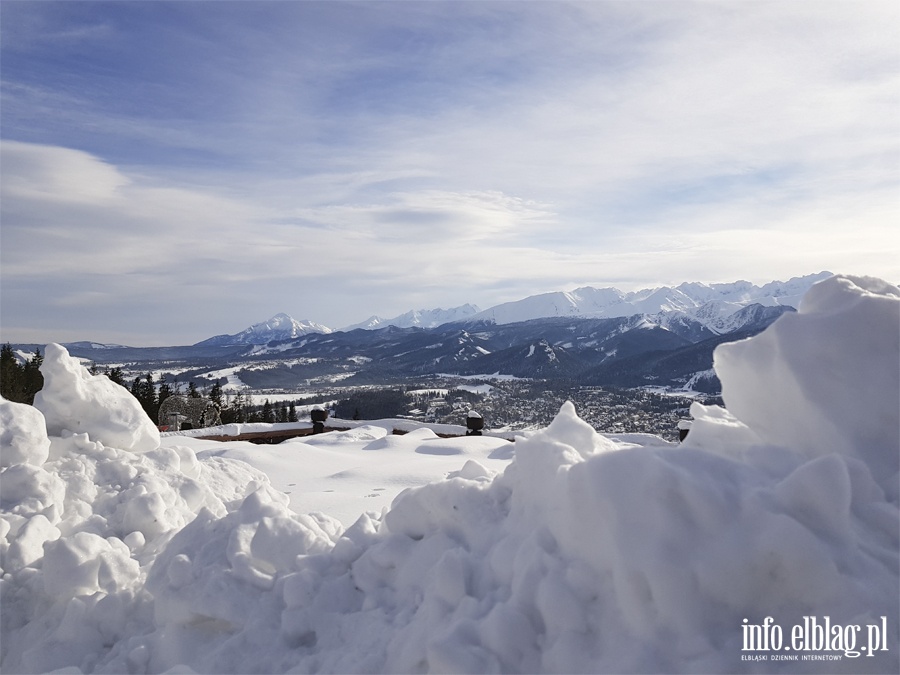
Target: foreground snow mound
[(827, 378), (584, 555), (74, 400), (82, 521), (23, 435)]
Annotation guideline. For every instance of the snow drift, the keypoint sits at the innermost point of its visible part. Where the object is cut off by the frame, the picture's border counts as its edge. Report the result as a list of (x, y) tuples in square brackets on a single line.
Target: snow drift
[(584, 554)]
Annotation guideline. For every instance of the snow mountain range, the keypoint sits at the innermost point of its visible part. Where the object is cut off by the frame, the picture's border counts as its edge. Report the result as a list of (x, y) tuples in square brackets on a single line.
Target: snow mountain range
[(596, 337), (721, 308), (712, 305)]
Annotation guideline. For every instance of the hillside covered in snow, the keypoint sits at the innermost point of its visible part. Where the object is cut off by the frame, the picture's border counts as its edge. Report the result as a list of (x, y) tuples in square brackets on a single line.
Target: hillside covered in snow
[(565, 551)]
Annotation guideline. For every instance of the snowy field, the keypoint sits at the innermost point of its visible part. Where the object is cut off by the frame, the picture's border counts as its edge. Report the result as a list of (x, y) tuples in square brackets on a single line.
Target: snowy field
[(766, 542)]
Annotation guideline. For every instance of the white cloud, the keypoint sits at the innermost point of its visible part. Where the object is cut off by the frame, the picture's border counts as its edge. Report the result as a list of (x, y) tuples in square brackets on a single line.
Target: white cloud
[(97, 239), (40, 172)]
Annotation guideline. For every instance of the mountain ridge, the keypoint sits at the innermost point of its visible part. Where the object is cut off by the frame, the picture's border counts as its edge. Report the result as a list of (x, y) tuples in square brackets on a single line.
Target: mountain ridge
[(668, 349), (423, 318), (711, 305), (707, 303), (691, 309)]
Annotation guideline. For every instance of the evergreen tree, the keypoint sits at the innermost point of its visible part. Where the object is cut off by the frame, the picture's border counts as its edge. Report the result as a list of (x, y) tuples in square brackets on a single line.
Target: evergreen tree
[(235, 411), (268, 415), (282, 412), (164, 392), (32, 380), (227, 411), (116, 375), (215, 395), (20, 382), (144, 391), (192, 390), (11, 375), (244, 406), (149, 392), (292, 413)]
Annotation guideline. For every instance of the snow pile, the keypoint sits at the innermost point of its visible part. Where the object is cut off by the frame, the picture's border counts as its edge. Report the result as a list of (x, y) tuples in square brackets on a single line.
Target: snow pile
[(72, 399), (586, 553), (824, 380)]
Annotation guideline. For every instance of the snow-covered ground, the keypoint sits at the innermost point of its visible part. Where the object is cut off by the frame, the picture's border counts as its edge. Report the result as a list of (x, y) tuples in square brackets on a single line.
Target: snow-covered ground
[(565, 551)]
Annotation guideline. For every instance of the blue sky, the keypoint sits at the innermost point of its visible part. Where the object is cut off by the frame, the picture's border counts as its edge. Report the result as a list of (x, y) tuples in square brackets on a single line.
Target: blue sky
[(171, 171)]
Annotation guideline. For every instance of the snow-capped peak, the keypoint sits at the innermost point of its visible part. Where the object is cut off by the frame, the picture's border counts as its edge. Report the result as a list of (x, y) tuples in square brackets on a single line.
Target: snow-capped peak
[(371, 323), (422, 318), (280, 327)]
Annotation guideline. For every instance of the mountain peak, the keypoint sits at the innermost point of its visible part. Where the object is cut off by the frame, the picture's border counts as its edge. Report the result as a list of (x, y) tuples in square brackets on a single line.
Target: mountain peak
[(280, 327), (281, 318), (421, 318)]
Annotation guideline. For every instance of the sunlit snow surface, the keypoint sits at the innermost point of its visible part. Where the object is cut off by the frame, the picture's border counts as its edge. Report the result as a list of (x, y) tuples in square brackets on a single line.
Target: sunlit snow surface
[(567, 551)]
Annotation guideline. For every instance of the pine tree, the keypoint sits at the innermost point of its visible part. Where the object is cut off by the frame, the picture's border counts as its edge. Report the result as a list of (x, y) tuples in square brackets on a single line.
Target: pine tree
[(192, 390), (164, 392), (215, 395), (236, 410), (268, 415), (116, 375), (244, 407), (292, 413), (11, 375), (144, 391), (32, 380)]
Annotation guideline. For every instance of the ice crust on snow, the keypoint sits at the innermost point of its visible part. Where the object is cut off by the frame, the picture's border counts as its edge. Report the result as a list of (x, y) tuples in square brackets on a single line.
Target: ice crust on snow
[(586, 553)]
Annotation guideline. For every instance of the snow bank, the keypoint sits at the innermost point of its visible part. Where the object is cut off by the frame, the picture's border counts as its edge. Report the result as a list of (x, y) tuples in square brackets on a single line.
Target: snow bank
[(586, 554), (74, 400), (23, 435), (825, 379)]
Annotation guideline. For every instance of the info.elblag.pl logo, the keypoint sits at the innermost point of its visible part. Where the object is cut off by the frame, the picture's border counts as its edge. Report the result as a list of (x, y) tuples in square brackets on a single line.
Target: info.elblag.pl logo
[(812, 640)]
